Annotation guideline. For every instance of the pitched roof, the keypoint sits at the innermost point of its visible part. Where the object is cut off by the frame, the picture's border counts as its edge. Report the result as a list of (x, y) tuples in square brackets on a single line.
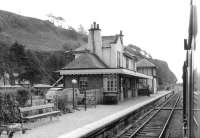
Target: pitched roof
[(81, 49), (107, 40), (129, 52), (145, 63), (86, 60)]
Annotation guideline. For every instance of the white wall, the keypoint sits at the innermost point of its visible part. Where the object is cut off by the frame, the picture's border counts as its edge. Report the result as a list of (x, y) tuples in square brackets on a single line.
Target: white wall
[(131, 62), (106, 52), (114, 48), (147, 71)]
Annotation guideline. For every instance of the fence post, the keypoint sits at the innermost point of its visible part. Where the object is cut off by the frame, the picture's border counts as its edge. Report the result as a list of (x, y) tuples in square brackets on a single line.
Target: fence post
[(31, 100), (85, 99), (95, 98)]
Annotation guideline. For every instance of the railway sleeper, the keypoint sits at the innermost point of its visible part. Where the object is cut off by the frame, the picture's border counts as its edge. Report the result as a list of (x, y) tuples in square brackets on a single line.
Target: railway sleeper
[(151, 134), (168, 108), (150, 130), (153, 127)]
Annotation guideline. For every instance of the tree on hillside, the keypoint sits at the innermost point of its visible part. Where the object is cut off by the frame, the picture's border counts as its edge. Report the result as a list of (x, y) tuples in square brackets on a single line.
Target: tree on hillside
[(32, 66), (56, 20), (70, 45), (32, 69), (72, 33), (23, 63), (82, 30), (55, 62), (17, 55), (3, 61), (17, 63)]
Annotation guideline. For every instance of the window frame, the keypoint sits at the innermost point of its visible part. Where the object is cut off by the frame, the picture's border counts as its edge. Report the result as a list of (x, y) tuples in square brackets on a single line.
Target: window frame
[(111, 83), (83, 83), (127, 62), (118, 59)]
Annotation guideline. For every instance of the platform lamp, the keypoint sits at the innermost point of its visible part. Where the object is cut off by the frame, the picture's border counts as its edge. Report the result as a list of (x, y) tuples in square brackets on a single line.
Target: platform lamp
[(74, 81)]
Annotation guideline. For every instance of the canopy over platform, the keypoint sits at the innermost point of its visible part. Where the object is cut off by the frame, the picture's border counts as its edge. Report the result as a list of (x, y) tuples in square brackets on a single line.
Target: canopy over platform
[(103, 71)]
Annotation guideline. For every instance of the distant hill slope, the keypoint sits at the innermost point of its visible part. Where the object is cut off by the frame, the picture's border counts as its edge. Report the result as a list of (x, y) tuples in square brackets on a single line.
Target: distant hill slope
[(164, 74), (37, 34)]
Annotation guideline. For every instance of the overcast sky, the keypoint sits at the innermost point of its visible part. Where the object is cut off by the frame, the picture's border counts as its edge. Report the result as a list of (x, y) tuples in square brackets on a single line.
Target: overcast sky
[(157, 26)]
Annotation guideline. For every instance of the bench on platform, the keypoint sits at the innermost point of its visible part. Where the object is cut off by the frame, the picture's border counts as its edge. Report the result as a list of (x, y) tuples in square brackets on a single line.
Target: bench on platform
[(28, 114), (110, 97), (38, 112), (143, 91)]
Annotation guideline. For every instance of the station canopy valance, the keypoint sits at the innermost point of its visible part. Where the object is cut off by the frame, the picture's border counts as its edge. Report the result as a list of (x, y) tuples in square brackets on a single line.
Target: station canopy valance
[(103, 71)]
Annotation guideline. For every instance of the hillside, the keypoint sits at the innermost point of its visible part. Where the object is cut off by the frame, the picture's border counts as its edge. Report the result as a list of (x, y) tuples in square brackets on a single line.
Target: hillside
[(164, 74), (37, 34)]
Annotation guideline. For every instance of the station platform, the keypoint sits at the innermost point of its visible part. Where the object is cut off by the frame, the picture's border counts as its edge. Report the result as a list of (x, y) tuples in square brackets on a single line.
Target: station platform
[(75, 124)]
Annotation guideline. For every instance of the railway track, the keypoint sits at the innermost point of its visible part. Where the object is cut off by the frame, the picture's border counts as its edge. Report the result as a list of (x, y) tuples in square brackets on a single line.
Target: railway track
[(152, 124)]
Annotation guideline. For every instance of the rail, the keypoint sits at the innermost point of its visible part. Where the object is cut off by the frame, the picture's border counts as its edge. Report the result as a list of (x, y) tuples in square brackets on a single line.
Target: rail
[(169, 118), (133, 131)]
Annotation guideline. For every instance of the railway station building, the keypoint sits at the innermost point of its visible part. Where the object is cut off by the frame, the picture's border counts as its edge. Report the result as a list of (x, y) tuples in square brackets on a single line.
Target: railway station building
[(148, 68), (106, 65)]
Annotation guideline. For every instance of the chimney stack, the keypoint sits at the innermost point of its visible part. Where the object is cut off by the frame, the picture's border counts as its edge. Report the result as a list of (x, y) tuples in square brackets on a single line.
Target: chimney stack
[(121, 36), (95, 40), (94, 26), (121, 33)]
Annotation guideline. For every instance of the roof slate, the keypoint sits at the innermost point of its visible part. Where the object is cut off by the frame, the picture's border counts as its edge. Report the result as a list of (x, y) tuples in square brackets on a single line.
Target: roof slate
[(130, 52), (107, 40), (145, 63), (86, 60)]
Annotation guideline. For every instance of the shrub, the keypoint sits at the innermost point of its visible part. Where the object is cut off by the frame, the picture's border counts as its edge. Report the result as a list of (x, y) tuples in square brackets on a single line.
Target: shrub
[(22, 96), (9, 108), (63, 104), (1, 107)]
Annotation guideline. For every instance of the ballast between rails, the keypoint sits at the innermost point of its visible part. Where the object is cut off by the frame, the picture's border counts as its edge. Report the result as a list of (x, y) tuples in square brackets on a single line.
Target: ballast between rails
[(133, 132), (169, 118)]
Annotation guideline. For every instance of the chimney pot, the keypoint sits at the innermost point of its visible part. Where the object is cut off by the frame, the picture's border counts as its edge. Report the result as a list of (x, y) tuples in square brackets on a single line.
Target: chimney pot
[(91, 26), (97, 26), (121, 33), (94, 25)]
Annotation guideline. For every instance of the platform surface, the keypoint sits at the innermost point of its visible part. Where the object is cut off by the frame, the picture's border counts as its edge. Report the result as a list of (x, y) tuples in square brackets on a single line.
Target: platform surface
[(74, 124)]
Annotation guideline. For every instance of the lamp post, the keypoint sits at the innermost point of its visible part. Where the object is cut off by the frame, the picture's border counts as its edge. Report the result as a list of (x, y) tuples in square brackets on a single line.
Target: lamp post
[(74, 81)]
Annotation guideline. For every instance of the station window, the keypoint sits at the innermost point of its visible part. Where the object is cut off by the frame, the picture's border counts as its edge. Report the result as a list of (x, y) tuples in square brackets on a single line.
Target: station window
[(127, 62), (110, 83), (83, 83)]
